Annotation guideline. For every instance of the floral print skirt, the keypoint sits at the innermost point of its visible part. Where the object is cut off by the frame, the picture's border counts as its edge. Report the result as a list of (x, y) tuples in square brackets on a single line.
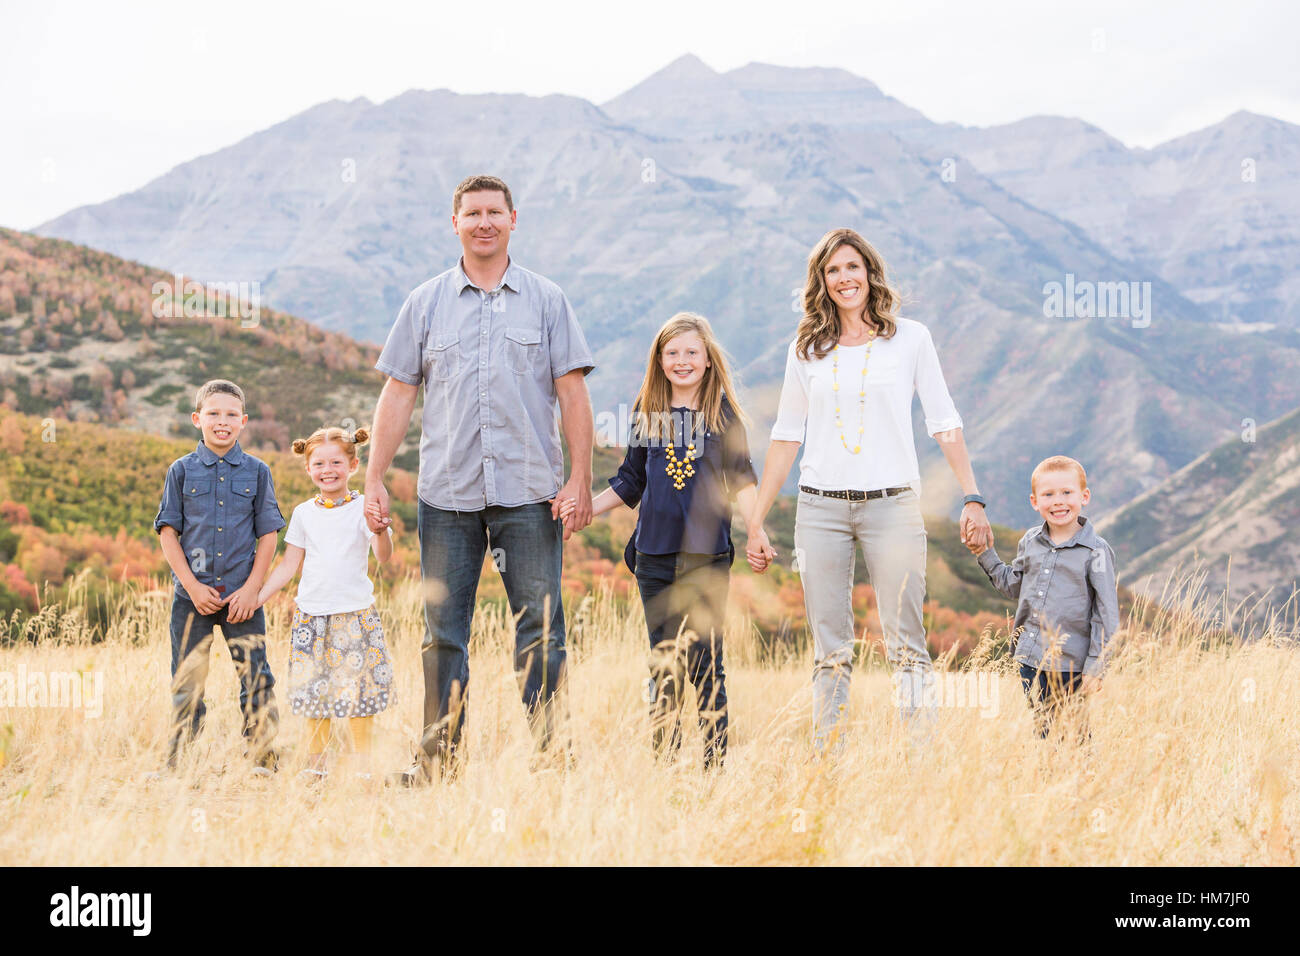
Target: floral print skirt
[(338, 665)]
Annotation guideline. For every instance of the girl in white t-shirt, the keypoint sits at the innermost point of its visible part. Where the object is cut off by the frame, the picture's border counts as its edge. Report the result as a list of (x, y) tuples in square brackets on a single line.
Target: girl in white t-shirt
[(339, 668)]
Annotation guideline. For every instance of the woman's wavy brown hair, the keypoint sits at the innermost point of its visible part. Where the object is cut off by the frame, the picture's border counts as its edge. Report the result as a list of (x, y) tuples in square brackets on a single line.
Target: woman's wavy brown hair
[(650, 419), (345, 439), (819, 329)]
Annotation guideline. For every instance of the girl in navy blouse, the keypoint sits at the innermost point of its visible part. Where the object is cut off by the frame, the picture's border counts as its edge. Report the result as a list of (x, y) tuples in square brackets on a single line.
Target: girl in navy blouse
[(687, 457)]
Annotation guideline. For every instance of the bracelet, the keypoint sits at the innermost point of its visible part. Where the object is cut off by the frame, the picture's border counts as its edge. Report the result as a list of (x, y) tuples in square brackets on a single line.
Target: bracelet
[(976, 498)]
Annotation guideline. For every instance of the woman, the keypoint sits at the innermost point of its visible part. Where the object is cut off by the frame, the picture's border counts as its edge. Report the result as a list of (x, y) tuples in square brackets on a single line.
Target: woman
[(849, 378)]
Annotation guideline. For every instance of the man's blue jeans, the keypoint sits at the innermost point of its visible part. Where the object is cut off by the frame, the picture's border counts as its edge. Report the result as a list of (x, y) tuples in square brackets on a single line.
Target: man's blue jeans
[(191, 639), (527, 549)]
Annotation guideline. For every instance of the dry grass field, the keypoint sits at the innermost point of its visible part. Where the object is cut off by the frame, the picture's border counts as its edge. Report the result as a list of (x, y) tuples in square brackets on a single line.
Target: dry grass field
[(1194, 759)]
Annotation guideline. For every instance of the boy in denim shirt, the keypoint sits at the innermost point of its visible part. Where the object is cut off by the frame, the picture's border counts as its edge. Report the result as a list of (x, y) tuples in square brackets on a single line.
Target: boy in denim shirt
[(1065, 581), (218, 525)]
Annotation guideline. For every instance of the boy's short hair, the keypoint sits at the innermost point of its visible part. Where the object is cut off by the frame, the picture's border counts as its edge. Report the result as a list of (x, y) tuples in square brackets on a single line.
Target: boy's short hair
[(218, 386), (475, 184), (1058, 463)]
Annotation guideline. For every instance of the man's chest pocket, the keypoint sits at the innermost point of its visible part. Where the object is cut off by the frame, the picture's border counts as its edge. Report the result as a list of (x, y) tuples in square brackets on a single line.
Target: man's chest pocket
[(523, 349), (442, 357)]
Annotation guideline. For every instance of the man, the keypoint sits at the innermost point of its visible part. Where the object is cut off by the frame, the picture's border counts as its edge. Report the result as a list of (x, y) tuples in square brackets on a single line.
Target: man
[(495, 346)]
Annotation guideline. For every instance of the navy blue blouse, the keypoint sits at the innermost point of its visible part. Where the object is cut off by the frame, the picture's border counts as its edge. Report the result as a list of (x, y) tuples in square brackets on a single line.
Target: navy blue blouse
[(697, 518)]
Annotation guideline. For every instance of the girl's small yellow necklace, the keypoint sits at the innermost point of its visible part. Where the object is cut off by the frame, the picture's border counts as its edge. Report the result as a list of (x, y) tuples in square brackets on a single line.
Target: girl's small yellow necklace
[(324, 502)]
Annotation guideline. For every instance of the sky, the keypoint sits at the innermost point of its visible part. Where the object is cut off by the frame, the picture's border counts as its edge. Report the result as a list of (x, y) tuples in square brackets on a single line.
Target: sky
[(99, 99)]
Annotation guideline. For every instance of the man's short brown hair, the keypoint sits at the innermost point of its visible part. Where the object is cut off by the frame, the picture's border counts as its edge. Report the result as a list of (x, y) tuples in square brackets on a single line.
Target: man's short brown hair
[(1058, 463), (218, 386), (480, 184)]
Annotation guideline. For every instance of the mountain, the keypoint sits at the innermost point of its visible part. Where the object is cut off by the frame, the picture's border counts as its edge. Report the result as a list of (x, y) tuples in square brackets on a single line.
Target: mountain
[(1230, 515), (704, 191), (687, 99), (1213, 212)]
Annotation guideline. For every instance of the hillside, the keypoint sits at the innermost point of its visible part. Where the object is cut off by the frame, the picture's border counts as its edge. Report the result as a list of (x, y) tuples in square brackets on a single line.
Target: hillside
[(1232, 513), (83, 341)]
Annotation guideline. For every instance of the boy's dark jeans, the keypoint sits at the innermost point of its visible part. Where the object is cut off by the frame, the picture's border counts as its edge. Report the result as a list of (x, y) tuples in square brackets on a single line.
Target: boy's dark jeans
[(191, 636), (1049, 692), (527, 549), (685, 598)]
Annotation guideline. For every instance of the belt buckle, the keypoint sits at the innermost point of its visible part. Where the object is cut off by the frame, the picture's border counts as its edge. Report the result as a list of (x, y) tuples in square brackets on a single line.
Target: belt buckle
[(857, 495)]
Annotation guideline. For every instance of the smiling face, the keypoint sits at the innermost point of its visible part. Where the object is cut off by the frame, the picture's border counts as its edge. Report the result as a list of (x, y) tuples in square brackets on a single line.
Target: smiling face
[(221, 419), (1059, 499), (484, 223), (684, 360), (845, 275), (329, 468)]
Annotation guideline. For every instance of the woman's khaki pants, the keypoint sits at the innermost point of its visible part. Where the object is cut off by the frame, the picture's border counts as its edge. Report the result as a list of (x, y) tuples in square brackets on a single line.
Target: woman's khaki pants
[(891, 534)]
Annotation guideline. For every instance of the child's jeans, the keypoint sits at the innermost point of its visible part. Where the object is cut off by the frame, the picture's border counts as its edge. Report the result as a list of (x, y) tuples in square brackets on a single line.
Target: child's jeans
[(1049, 692), (685, 598), (191, 636)]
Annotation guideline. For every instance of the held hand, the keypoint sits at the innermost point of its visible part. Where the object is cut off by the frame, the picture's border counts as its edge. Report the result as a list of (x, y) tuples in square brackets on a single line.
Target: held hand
[(580, 493), (205, 599), (975, 528), (242, 605), (567, 508), (759, 550), (1090, 684), (377, 516)]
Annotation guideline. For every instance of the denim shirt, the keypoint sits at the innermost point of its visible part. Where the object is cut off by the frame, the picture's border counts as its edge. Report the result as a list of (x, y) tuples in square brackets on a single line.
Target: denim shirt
[(696, 519), (1069, 606), (219, 506)]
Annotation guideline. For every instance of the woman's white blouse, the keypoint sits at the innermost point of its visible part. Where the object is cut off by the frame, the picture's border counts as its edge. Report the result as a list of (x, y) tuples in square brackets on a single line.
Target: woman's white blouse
[(908, 362)]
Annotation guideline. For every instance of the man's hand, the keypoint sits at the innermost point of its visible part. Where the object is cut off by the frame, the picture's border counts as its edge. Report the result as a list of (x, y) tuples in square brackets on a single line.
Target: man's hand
[(377, 516), (759, 550), (1090, 684), (205, 598), (242, 604), (579, 491), (975, 528)]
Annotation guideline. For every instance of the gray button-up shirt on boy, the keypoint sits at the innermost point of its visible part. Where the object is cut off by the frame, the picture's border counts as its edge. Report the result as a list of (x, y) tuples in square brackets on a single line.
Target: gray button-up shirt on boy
[(1069, 606), (488, 360)]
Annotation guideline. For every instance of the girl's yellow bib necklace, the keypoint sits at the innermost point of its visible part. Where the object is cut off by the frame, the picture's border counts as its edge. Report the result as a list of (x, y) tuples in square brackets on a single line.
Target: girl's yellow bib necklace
[(862, 393), (680, 470)]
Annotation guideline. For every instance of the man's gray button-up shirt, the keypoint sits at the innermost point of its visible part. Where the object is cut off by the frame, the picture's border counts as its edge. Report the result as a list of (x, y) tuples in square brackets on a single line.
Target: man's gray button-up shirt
[(488, 360)]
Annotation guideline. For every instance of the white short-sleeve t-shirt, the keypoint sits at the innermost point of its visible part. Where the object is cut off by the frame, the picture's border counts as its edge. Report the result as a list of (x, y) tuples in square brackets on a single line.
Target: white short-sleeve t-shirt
[(335, 567)]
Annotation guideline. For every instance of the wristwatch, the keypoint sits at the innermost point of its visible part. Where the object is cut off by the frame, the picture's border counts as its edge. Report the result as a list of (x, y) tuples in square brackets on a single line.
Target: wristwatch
[(976, 498)]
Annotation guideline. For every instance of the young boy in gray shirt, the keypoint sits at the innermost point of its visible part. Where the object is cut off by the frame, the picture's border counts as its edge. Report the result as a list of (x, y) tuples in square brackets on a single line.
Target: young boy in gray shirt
[(1064, 578)]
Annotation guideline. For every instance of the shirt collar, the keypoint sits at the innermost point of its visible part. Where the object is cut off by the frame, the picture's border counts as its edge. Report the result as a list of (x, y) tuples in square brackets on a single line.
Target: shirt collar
[(1086, 535), (510, 280), (209, 457)]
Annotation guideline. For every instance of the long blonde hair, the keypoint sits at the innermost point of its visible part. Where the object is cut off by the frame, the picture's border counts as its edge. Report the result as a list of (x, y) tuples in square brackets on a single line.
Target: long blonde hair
[(819, 329), (654, 400)]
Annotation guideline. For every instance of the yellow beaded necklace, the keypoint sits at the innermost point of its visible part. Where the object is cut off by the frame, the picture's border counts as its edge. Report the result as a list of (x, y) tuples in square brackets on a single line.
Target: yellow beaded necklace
[(324, 502), (677, 470), (862, 393)]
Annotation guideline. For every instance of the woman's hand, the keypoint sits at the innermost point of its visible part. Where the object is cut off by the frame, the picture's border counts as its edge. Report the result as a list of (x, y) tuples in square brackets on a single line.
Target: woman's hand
[(975, 529), (759, 550)]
